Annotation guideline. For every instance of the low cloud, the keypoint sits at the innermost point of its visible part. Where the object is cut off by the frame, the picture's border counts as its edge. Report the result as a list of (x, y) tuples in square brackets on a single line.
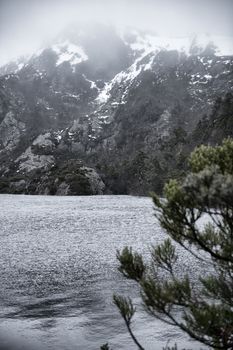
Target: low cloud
[(26, 25)]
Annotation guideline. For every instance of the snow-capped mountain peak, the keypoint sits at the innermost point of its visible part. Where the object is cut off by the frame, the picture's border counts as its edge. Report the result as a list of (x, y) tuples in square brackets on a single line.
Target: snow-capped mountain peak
[(102, 93), (77, 47)]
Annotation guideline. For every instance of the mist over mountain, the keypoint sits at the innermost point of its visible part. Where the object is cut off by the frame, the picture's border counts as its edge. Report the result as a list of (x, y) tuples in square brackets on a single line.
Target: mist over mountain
[(103, 109), (28, 25)]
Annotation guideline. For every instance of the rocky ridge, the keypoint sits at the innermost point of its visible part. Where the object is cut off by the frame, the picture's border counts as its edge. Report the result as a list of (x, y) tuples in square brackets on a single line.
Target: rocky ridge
[(98, 106)]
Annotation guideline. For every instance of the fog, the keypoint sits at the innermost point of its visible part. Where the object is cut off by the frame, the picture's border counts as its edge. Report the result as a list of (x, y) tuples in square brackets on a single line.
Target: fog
[(26, 25)]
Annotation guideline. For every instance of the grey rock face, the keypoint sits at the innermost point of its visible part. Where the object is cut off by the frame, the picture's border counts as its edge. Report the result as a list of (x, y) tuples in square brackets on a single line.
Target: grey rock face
[(10, 131), (29, 161)]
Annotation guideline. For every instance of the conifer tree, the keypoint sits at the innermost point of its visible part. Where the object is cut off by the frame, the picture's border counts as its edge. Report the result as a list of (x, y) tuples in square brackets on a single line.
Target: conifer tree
[(203, 310)]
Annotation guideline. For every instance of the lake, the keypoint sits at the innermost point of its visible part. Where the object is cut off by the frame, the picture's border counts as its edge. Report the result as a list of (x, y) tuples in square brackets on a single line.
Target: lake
[(58, 271)]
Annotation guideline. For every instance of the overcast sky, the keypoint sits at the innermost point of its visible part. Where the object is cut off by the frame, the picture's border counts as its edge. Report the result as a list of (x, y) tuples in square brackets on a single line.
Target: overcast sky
[(25, 25)]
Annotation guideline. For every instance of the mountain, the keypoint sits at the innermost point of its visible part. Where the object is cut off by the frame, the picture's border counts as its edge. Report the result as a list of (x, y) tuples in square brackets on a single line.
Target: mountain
[(101, 110)]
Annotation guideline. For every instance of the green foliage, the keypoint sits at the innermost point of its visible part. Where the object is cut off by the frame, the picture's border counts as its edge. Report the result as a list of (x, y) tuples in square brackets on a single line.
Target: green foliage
[(127, 311), (131, 264), (164, 255), (79, 184), (206, 308), (206, 156), (125, 306)]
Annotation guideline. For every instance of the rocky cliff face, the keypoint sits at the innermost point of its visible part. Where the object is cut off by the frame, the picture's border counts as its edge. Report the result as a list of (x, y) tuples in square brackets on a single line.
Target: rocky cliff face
[(116, 106)]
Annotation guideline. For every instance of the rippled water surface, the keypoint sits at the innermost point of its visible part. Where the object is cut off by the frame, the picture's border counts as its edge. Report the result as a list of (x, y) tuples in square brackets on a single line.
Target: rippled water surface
[(58, 271)]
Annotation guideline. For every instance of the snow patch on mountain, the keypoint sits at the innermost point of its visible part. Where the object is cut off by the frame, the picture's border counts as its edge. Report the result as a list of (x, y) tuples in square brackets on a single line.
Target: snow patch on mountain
[(104, 95), (19, 67), (70, 52), (93, 83), (200, 79), (125, 78)]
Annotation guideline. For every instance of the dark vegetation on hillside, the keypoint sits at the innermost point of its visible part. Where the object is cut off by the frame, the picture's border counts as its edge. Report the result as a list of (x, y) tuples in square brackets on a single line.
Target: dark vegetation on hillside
[(141, 171), (138, 171)]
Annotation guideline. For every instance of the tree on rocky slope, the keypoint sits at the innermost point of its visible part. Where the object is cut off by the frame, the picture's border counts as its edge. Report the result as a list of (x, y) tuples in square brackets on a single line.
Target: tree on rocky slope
[(202, 309)]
